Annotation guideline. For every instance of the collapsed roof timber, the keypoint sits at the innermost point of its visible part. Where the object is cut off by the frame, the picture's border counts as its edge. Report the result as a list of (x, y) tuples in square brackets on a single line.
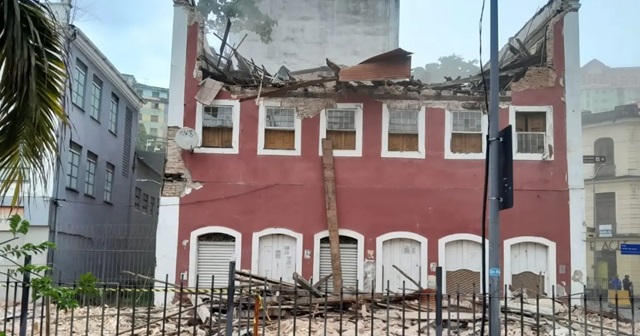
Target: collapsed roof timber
[(384, 76)]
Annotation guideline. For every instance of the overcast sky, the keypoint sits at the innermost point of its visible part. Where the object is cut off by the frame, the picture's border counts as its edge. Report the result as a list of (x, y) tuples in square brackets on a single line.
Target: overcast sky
[(136, 34)]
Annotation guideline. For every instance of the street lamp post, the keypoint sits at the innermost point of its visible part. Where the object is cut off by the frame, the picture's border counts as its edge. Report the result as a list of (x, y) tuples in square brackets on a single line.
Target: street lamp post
[(593, 202)]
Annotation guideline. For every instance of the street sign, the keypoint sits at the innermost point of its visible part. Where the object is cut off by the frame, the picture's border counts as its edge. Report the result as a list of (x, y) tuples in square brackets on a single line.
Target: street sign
[(594, 159), (494, 272), (630, 249)]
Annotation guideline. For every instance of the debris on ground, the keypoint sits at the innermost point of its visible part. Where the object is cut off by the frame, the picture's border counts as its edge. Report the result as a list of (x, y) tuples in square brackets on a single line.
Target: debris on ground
[(273, 307)]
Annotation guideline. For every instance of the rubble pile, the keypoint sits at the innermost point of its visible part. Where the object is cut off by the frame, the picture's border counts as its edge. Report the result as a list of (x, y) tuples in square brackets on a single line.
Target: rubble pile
[(269, 307)]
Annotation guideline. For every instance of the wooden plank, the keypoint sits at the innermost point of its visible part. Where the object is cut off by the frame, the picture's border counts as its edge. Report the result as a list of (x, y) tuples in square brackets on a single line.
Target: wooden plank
[(306, 285), (332, 213)]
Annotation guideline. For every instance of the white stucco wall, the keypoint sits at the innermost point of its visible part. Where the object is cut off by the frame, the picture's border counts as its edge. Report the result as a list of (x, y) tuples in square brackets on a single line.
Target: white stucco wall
[(309, 31), (575, 170), (37, 235)]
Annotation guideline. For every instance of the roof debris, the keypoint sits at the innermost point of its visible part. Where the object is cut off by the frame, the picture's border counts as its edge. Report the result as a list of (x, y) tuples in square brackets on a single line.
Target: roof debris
[(388, 75)]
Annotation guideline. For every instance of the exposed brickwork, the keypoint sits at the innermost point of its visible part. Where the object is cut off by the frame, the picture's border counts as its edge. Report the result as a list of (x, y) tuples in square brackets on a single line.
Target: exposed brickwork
[(176, 171), (307, 107), (535, 78)]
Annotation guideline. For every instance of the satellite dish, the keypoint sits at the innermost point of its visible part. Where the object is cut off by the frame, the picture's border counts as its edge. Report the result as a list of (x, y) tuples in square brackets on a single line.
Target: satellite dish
[(187, 138)]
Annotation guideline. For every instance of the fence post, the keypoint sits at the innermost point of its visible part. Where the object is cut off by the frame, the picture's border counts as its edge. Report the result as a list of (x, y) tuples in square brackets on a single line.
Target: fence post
[(439, 301), (24, 304), (231, 287)]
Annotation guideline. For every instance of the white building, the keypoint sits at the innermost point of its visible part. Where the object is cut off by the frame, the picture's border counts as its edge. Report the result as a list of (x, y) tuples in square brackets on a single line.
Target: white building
[(310, 31)]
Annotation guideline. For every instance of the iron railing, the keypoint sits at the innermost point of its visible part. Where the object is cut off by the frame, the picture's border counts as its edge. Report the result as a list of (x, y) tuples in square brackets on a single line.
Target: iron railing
[(253, 305)]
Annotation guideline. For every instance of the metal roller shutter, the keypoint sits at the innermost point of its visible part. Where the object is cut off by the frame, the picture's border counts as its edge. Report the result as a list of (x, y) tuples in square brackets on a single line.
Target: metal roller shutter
[(213, 260), (349, 260)]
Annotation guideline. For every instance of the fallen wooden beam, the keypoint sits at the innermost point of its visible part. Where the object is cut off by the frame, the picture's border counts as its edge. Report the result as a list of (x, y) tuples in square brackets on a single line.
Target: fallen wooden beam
[(332, 213)]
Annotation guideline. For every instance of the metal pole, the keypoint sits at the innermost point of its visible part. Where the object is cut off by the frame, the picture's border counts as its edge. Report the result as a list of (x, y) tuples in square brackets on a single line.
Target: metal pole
[(230, 296), (595, 226), (494, 177), (439, 301), (24, 305)]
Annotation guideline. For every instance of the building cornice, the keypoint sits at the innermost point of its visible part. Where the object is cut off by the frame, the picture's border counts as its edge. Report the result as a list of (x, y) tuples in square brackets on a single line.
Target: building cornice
[(94, 55), (613, 179)]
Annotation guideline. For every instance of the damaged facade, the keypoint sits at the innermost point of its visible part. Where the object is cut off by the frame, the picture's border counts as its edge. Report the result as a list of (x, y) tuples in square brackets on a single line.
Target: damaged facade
[(401, 180)]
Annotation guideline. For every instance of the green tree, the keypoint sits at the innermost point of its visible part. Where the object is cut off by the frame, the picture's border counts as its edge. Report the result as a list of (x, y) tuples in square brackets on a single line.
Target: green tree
[(33, 80), (447, 66), (244, 15), (42, 285)]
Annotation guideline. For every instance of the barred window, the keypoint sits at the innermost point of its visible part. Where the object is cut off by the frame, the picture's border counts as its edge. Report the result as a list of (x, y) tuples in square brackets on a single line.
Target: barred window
[(531, 132)]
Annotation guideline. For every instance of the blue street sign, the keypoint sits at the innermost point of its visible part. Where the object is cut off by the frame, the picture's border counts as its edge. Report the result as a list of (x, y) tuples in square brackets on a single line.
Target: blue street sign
[(630, 249), (494, 272)]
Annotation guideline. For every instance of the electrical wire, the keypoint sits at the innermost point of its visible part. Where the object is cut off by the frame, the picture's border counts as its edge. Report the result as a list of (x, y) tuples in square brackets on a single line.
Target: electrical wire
[(486, 183)]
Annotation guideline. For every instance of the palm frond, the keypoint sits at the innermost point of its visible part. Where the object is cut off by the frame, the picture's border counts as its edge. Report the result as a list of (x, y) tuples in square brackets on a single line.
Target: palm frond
[(32, 85)]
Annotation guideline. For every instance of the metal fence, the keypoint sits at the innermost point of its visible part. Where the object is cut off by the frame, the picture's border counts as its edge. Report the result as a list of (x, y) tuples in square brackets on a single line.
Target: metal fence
[(254, 305), (104, 250)]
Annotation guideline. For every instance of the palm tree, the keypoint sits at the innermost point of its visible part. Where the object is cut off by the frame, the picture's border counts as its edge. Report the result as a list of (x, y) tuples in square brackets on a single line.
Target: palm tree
[(33, 76)]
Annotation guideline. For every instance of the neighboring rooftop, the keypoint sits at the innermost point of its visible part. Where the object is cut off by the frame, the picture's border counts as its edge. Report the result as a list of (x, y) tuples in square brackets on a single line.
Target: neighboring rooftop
[(619, 113)]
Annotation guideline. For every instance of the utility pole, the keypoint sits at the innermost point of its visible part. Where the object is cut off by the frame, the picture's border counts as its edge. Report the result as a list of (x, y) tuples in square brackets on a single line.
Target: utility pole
[(494, 177)]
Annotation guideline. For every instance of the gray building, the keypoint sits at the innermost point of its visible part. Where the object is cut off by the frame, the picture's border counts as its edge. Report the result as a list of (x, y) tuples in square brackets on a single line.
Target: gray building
[(91, 208)]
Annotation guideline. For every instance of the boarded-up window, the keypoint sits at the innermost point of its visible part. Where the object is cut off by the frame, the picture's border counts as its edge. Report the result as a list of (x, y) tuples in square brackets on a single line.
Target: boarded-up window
[(403, 131), (466, 132), (531, 130), (341, 128), (217, 127), (280, 130)]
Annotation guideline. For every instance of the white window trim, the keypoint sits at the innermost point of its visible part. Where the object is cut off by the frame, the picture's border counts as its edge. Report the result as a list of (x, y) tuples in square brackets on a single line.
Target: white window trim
[(442, 254), (262, 112), (341, 232), (359, 130), (235, 140), (424, 242), (546, 156), (255, 247), (420, 154), (551, 279), (193, 249), (448, 133)]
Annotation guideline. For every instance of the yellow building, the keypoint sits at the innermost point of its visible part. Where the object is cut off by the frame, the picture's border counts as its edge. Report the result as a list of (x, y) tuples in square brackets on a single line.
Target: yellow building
[(614, 187)]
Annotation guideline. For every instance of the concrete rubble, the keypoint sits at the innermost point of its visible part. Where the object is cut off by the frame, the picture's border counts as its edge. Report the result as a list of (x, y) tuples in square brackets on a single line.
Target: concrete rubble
[(272, 307)]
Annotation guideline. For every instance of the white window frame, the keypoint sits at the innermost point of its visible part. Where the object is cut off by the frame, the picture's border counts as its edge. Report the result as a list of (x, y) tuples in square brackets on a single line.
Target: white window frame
[(113, 114), (297, 124), (546, 156), (90, 177), (108, 183), (448, 134), (96, 100), (73, 153), (78, 97), (235, 140), (358, 119), (386, 153)]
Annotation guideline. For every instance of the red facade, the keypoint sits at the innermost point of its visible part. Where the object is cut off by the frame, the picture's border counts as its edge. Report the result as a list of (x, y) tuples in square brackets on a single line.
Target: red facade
[(433, 197)]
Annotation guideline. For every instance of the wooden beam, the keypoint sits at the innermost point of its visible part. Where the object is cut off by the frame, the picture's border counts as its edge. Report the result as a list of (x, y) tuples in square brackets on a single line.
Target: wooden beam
[(376, 96), (283, 90), (332, 212)]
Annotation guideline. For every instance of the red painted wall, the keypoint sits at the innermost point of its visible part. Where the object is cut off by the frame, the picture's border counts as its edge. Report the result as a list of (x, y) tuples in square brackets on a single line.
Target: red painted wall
[(433, 197)]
